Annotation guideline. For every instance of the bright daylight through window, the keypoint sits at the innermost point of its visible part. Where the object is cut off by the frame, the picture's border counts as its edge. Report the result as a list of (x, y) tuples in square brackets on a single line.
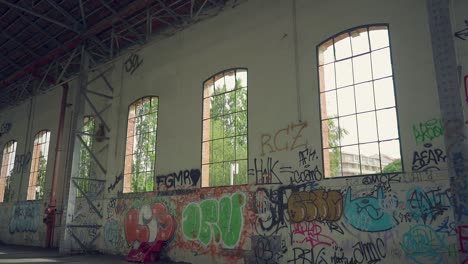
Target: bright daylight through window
[(224, 135), (39, 165), (140, 153), (8, 164), (358, 111)]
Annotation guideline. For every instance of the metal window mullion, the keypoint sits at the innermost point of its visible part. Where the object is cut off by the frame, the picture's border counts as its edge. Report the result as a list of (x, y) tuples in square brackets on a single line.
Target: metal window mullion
[(235, 124), (373, 95), (354, 56), (355, 104), (337, 116)]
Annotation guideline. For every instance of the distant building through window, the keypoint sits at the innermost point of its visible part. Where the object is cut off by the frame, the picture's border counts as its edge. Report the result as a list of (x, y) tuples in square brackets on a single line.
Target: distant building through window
[(8, 164), (224, 135), (357, 100), (140, 151), (37, 176)]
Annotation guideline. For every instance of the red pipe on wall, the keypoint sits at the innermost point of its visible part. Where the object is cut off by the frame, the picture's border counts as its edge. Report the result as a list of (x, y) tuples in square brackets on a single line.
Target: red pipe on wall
[(51, 208)]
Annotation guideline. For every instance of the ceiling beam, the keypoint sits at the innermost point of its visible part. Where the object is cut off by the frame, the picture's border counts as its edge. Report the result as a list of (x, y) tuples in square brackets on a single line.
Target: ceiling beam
[(33, 24), (38, 15), (66, 14), (104, 24), (83, 16), (11, 38)]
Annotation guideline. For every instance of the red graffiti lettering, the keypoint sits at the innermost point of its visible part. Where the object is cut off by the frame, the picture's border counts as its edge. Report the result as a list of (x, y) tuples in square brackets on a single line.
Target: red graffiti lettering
[(149, 224)]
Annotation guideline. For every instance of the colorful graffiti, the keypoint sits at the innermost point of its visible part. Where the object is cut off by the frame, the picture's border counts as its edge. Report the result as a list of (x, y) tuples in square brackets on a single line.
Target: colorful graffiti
[(25, 217), (317, 205), (312, 234), (367, 213), (220, 221), (149, 223), (422, 244)]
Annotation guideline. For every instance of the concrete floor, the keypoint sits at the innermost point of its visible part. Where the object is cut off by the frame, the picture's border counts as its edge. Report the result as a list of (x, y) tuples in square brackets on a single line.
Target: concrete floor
[(25, 254)]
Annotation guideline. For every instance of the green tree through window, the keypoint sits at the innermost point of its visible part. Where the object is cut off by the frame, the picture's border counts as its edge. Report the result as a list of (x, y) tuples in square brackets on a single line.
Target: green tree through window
[(85, 169), (224, 139), (37, 176), (8, 163), (140, 157)]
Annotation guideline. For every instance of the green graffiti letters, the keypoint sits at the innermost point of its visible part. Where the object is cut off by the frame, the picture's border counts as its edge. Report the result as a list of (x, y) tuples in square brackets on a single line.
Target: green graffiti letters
[(221, 221)]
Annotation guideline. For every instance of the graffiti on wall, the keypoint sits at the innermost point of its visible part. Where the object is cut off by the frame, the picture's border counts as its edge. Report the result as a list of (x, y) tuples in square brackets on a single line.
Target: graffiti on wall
[(266, 171), (288, 138), (184, 178), (428, 205), (21, 161), (306, 172), (25, 217), (132, 63), (367, 213), (112, 235), (116, 181), (270, 171), (422, 244), (5, 128), (149, 223), (212, 220), (428, 159), (267, 249), (311, 234), (317, 205), (428, 130)]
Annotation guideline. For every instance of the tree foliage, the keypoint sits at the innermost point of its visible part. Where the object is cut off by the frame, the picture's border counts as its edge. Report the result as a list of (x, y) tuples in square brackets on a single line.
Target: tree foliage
[(144, 157), (394, 166), (85, 166), (228, 135), (334, 135), (41, 175)]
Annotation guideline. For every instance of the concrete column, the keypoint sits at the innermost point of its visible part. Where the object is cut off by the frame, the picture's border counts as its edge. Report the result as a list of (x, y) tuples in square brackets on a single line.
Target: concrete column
[(452, 114), (73, 171)]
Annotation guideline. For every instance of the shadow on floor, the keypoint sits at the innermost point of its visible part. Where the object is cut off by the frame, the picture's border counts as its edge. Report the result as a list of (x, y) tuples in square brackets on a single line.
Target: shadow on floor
[(27, 254)]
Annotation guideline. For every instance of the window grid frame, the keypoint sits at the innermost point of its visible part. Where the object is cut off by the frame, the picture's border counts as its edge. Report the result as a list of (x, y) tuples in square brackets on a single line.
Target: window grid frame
[(372, 80), (134, 143), (213, 78), (9, 152), (35, 171)]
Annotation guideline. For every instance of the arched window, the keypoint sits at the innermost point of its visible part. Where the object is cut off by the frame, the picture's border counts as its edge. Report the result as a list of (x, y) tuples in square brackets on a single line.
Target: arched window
[(359, 122), (87, 134), (224, 135), (8, 164), (39, 165), (140, 152)]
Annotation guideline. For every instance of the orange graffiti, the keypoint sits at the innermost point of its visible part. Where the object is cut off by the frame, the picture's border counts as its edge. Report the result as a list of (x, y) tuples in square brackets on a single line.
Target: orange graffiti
[(319, 205)]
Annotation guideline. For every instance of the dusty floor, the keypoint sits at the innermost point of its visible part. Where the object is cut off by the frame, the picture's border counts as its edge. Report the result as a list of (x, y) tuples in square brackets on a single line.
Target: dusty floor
[(25, 254)]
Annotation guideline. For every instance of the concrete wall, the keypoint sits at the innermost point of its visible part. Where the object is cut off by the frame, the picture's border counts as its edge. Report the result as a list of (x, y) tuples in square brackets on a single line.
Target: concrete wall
[(389, 218)]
